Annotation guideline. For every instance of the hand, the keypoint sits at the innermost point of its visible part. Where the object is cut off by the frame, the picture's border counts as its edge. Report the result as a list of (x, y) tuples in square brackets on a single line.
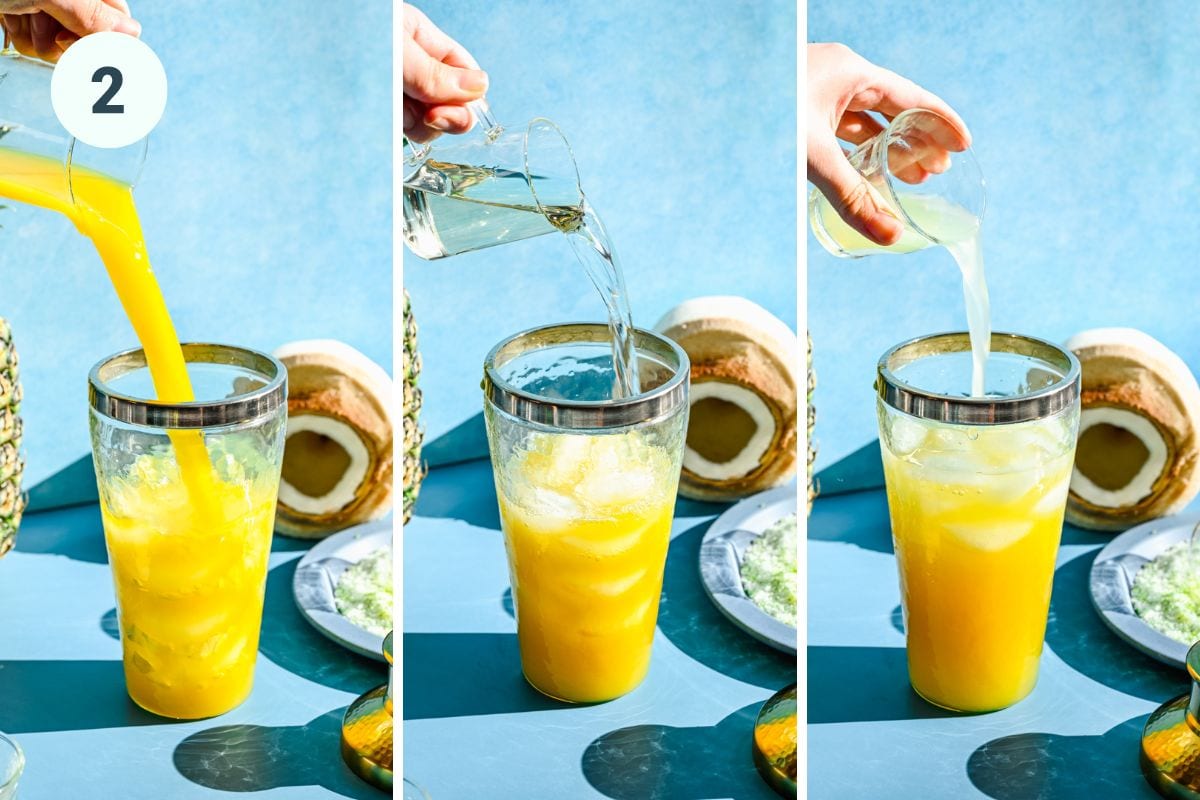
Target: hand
[(440, 78), (45, 28), (842, 87)]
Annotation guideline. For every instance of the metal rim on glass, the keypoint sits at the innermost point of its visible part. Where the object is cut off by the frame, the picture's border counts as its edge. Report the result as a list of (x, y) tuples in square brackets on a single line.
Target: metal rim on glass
[(584, 414), (1038, 404), (259, 401)]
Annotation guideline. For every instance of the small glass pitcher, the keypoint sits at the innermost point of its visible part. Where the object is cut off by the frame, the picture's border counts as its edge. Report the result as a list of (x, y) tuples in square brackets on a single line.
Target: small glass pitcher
[(30, 128), (500, 186), (921, 169)]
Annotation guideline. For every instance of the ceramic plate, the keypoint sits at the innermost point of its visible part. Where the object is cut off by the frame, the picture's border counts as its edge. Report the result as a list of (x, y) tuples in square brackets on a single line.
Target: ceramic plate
[(1111, 581), (318, 573), (721, 554)]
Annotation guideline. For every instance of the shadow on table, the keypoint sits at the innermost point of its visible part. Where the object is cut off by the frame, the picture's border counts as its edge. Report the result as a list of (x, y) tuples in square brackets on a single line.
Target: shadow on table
[(693, 624), (860, 519), (1076, 635), (466, 674), (40, 696), (464, 492), (257, 758), (669, 763), (1048, 766), (76, 533), (292, 643), (863, 684)]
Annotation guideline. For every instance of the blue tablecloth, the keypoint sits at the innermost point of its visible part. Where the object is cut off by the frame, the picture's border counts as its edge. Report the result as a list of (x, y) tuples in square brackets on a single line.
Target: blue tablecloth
[(62, 692), (1075, 737), (474, 729)]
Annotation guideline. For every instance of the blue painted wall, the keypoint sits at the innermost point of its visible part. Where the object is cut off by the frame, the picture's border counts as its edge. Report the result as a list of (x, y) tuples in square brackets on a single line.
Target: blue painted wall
[(1081, 117), (684, 129), (266, 204)]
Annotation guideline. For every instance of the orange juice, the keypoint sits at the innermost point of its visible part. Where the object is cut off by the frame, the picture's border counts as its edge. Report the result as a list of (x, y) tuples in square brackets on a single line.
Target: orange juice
[(188, 546), (587, 521), (976, 514), (189, 582)]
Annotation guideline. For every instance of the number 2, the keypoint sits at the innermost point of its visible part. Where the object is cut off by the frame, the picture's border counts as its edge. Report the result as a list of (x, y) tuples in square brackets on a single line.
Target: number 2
[(103, 105)]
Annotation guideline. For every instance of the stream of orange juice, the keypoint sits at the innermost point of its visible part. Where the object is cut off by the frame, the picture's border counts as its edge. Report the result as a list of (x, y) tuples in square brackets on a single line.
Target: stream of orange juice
[(587, 521), (188, 547)]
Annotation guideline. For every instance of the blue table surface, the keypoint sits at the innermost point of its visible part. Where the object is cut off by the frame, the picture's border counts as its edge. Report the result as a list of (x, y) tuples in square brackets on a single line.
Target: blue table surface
[(474, 728), (869, 735), (62, 691)]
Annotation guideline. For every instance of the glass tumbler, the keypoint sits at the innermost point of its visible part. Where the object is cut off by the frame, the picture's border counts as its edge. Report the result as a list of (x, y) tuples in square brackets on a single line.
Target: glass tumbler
[(187, 497), (976, 489), (922, 169), (586, 486)]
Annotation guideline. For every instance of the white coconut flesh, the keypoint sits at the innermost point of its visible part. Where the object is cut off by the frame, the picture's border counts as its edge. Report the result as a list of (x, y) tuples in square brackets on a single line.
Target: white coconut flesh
[(325, 461), (729, 431), (1118, 459)]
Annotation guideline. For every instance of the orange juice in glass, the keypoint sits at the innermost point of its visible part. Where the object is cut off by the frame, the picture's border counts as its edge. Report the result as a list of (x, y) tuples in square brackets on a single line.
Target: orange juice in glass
[(188, 539), (976, 491), (586, 486)]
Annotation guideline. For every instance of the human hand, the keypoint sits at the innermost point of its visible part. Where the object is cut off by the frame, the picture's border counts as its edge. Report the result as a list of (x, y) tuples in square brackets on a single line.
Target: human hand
[(440, 78), (842, 87), (45, 28)]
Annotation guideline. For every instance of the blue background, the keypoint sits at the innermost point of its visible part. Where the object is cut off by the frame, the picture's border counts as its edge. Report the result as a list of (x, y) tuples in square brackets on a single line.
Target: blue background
[(684, 129), (266, 202), (1080, 114)]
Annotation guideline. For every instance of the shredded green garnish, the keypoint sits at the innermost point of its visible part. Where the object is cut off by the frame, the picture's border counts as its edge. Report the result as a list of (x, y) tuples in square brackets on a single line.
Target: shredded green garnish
[(364, 592), (769, 570), (1166, 593)]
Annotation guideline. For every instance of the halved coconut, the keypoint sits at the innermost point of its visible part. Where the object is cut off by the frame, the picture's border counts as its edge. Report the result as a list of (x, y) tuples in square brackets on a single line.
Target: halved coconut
[(741, 436), (1137, 454), (337, 461)]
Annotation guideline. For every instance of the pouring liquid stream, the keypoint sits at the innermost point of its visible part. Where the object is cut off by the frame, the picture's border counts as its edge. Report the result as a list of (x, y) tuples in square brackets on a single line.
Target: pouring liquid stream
[(953, 228), (103, 210), (457, 208)]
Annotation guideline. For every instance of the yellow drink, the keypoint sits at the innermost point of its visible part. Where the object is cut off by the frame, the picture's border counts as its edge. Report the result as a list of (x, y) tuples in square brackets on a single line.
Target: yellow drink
[(188, 546), (189, 582), (587, 521), (976, 516)]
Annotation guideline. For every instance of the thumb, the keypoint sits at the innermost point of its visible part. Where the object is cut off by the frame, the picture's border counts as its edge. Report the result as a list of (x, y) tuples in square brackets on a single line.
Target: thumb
[(82, 17), (430, 81), (856, 201)]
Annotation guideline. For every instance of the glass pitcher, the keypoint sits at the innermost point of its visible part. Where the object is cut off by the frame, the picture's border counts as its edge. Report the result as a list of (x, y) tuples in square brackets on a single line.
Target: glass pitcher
[(492, 188), (31, 137), (920, 168)]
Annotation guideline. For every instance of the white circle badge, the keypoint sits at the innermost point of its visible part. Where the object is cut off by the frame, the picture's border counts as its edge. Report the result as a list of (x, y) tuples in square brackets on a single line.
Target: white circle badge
[(109, 89)]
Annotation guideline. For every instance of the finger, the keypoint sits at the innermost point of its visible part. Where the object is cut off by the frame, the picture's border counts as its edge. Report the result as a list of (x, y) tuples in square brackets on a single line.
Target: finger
[(42, 29), (890, 94), (857, 127), (414, 122), (82, 17), (17, 26), (449, 119), (854, 199), (430, 81), (120, 5)]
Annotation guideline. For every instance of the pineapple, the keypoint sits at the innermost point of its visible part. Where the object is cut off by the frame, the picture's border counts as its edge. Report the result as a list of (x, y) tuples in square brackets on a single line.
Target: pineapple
[(812, 424), (414, 470), (12, 502)]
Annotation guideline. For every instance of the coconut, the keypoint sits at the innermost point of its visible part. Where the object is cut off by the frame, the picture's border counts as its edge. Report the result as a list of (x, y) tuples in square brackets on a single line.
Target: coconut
[(742, 434), (337, 459), (1137, 454)]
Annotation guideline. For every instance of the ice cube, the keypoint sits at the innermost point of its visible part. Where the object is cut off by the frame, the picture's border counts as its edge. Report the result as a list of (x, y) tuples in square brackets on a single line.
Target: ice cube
[(905, 436), (547, 509), (989, 534), (614, 490), (1054, 499)]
